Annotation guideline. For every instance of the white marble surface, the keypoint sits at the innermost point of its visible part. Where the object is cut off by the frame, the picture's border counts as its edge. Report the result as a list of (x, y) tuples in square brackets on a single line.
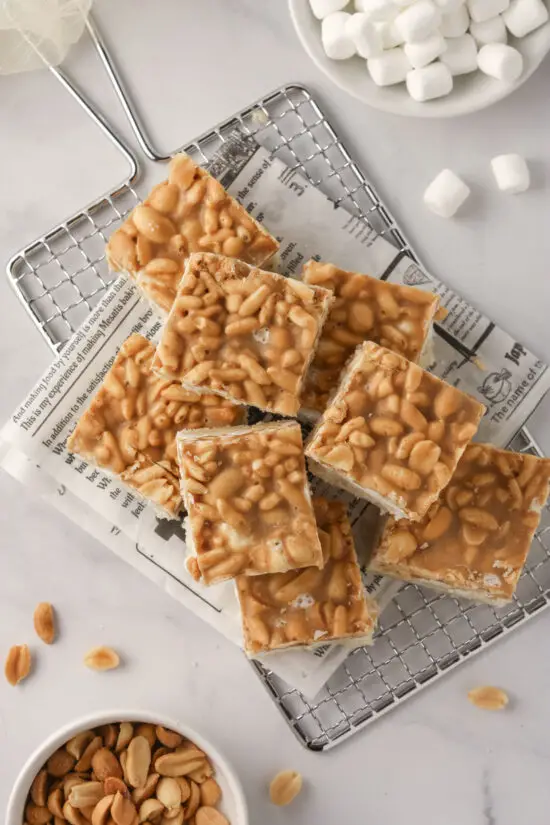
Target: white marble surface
[(434, 760)]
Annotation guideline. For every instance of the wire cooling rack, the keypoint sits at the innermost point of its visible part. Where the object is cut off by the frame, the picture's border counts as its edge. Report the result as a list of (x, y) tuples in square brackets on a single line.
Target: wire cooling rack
[(61, 276)]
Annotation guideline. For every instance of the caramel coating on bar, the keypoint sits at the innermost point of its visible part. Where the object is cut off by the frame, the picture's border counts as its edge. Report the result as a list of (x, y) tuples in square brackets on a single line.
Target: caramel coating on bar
[(248, 500), (477, 536), (309, 606), (189, 212), (130, 426), (364, 309), (241, 332), (394, 429)]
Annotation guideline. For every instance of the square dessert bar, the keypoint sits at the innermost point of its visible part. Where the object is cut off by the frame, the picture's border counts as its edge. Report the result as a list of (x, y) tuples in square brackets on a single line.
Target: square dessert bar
[(310, 607), (130, 426), (474, 541), (189, 212), (364, 309), (247, 495), (393, 433), (246, 334)]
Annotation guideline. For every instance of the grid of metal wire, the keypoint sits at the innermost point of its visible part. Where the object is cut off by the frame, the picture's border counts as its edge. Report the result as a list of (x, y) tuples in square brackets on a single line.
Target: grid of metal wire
[(62, 275)]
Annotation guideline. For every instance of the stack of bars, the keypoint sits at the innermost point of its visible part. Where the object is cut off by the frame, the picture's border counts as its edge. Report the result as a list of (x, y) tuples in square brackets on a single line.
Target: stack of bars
[(337, 348)]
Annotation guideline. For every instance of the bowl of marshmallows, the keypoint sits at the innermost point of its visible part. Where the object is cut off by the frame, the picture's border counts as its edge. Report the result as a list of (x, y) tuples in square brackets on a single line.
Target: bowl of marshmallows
[(425, 58)]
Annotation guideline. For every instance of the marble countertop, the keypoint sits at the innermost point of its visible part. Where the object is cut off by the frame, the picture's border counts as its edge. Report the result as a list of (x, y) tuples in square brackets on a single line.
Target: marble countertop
[(435, 759)]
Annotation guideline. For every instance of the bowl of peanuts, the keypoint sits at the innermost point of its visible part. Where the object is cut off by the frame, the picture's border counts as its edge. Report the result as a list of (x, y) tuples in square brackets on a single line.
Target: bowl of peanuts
[(125, 768)]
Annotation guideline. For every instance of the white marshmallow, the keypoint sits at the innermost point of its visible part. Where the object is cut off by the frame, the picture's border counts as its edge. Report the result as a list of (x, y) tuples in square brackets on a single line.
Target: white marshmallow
[(460, 55), (423, 52), (445, 194), (376, 9), (511, 173), (448, 6), (500, 61), (455, 23), (481, 10), (321, 8), (524, 16), (429, 82), (389, 34), (364, 35), (419, 21), (402, 4), (389, 68), (337, 43), (490, 31)]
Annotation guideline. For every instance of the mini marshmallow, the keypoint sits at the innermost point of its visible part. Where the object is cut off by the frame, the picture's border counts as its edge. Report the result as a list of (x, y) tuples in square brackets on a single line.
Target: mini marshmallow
[(511, 173), (402, 4), (481, 10), (376, 9), (460, 55), (423, 52), (418, 21), (364, 34), (429, 82), (500, 61), (445, 194), (456, 23), (389, 34), (524, 16), (389, 68), (490, 31), (322, 8), (337, 43), (448, 6)]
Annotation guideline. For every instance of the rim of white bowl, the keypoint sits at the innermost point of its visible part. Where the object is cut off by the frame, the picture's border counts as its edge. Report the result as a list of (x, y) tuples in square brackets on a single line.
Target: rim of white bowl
[(20, 790), (386, 100)]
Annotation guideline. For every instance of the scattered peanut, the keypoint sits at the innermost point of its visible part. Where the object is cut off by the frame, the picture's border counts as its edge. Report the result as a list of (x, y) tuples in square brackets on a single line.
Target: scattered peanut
[(44, 622), (488, 698), (18, 664), (285, 787), (102, 658)]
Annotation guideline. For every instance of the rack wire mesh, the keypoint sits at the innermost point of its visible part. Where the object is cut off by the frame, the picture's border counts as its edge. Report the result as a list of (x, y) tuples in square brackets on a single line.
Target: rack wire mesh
[(63, 274)]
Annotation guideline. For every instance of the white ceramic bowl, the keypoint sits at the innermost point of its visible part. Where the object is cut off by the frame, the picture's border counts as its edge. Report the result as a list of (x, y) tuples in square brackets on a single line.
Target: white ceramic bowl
[(233, 802), (470, 93)]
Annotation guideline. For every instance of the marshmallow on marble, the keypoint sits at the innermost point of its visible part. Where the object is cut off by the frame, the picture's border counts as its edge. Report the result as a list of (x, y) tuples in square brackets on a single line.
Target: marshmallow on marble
[(389, 34), (418, 21), (490, 31), (455, 23), (365, 35), (460, 56), (524, 16), (429, 82), (322, 8), (376, 9), (511, 173), (389, 68), (423, 52), (481, 10), (500, 61), (337, 43), (445, 194)]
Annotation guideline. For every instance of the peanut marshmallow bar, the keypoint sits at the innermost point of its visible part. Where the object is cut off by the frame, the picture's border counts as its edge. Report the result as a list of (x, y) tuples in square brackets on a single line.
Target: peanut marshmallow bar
[(130, 427), (311, 606), (189, 212), (364, 309), (243, 333), (473, 542), (246, 492), (393, 433)]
